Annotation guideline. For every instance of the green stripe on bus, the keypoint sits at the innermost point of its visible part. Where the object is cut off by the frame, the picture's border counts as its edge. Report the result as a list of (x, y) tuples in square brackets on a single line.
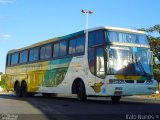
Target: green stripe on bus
[(56, 72)]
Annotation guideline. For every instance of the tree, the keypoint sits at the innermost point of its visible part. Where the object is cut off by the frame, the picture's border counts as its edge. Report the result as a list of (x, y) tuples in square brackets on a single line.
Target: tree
[(153, 41), (3, 81)]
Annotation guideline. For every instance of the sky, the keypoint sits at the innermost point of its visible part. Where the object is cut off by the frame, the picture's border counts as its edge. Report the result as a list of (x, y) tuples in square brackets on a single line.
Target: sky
[(24, 22)]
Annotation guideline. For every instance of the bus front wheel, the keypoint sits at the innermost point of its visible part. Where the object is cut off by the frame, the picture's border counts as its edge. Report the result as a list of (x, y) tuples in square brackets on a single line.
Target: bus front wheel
[(115, 99), (81, 95)]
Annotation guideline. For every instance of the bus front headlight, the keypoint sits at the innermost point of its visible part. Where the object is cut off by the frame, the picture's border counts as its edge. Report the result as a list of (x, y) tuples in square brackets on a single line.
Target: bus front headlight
[(149, 82)]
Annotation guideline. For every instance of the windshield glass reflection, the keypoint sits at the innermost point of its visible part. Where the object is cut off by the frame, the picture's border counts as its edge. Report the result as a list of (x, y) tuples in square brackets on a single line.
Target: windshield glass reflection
[(129, 61)]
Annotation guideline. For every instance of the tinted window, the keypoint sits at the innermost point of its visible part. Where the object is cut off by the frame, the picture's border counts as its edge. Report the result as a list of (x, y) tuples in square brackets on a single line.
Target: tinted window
[(42, 53), (72, 46), (34, 54), (45, 52), (91, 38), (96, 38), (48, 51), (114, 36), (8, 60), (99, 38), (23, 57), (63, 46), (80, 45), (77, 45), (56, 50), (14, 58)]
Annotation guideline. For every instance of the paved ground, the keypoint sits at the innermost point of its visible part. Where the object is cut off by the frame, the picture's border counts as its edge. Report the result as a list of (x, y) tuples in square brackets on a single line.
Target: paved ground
[(61, 108)]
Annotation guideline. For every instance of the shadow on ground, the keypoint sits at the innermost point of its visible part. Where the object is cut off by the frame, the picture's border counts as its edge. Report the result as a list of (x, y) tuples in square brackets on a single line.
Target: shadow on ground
[(62, 108)]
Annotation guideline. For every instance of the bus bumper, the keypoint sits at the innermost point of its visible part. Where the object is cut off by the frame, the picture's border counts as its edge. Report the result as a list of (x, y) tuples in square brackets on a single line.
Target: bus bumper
[(131, 89)]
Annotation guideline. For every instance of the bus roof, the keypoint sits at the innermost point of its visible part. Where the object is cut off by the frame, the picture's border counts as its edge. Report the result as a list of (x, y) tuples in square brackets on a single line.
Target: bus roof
[(76, 34)]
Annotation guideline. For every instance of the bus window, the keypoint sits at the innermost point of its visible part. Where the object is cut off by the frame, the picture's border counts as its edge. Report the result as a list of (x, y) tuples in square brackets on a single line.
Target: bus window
[(23, 57), (77, 45), (123, 37), (80, 44), (63, 50), (48, 51), (45, 52), (42, 53), (34, 54), (72, 46), (8, 60), (14, 59), (96, 38), (56, 50)]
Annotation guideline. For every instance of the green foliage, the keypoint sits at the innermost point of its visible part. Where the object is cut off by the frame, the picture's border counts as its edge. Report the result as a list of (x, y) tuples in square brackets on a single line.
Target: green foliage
[(155, 28), (156, 73), (3, 80)]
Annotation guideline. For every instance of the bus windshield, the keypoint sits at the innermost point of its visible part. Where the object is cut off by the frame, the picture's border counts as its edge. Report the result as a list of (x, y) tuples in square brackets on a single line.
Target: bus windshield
[(129, 61), (113, 36)]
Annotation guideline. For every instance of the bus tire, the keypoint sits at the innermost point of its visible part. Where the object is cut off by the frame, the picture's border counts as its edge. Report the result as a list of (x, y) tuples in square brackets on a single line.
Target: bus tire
[(81, 94), (115, 99), (17, 89), (23, 89)]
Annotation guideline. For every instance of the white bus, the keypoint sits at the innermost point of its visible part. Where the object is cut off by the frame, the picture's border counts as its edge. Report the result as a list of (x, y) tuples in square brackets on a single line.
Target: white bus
[(104, 61)]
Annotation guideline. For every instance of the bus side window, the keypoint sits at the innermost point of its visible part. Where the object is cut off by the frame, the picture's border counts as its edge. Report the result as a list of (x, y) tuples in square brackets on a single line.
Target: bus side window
[(8, 60), (23, 57), (31, 55), (72, 46), (46, 52), (63, 46), (34, 54), (14, 58), (77, 45), (56, 50), (96, 38), (42, 53), (80, 44)]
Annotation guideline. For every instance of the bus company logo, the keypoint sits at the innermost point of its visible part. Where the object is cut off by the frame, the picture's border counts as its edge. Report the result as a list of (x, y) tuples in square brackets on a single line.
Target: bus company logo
[(97, 87)]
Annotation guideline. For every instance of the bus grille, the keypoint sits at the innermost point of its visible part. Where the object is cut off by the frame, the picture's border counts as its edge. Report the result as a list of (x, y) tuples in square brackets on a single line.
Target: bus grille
[(140, 81)]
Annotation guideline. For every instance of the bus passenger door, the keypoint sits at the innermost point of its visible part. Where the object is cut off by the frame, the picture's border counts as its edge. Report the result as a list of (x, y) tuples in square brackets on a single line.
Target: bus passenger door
[(100, 67), (97, 68)]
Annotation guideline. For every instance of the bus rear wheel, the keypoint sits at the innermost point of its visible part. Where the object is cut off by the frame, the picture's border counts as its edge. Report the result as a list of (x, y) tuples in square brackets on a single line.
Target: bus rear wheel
[(115, 99), (23, 89), (17, 89), (81, 95)]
